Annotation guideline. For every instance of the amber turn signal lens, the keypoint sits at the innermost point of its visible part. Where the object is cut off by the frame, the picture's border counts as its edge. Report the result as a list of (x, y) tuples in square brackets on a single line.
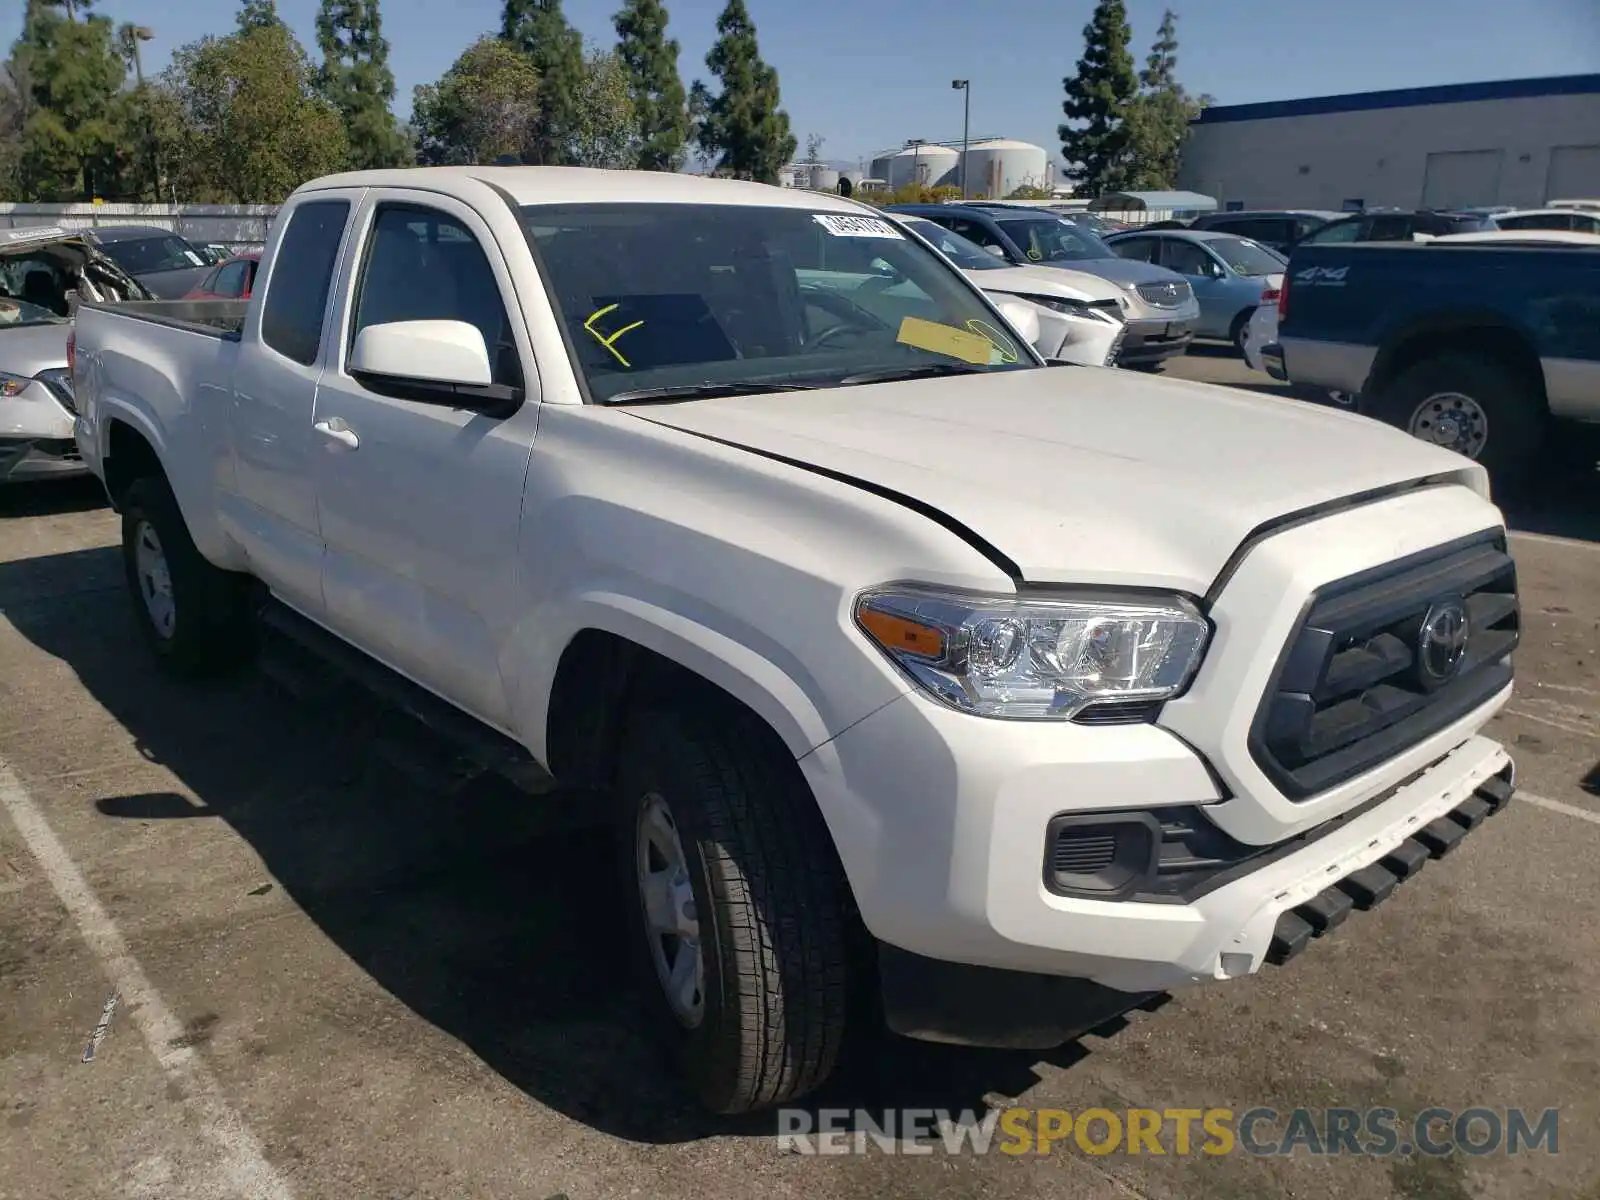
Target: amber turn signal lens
[(897, 633)]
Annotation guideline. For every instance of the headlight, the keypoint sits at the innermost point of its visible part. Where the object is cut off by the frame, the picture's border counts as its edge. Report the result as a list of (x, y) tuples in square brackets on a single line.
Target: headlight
[(13, 385), (1075, 308), (1032, 659)]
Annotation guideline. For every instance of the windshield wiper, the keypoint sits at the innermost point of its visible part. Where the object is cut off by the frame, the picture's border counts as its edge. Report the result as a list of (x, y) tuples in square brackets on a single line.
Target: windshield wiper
[(704, 391), (925, 371)]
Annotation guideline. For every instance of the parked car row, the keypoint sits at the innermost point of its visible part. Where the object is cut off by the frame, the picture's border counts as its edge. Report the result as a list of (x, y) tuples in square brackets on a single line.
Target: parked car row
[(1159, 306)]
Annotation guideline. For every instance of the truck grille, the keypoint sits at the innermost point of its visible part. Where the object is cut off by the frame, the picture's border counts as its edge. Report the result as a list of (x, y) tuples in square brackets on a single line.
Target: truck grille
[(1166, 295), (1386, 658)]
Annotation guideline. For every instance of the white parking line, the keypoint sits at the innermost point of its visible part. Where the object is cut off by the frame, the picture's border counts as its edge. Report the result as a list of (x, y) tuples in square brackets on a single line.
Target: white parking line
[(1571, 810), (239, 1156)]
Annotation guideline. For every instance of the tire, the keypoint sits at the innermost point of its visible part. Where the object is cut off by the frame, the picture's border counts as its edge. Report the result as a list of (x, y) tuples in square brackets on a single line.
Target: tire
[(1500, 414), (756, 856), (1237, 331), (204, 626), (1149, 367)]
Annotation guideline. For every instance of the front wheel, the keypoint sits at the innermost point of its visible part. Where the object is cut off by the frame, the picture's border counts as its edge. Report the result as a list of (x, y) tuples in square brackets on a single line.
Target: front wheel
[(192, 615), (740, 926)]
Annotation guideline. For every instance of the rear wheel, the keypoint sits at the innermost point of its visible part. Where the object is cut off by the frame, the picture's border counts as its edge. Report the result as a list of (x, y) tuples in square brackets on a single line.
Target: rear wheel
[(194, 616), (741, 913), (1472, 405), (1238, 332)]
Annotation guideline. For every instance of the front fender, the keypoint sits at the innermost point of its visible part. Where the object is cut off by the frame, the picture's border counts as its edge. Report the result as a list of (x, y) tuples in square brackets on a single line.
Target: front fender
[(771, 680)]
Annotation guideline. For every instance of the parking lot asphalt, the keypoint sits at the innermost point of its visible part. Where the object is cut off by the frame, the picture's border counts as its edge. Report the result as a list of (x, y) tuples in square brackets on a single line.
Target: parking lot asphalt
[(339, 970)]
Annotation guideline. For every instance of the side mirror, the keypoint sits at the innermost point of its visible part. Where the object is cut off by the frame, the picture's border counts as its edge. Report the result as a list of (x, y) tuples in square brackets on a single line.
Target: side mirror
[(1022, 317), (432, 362), (996, 251), (426, 351)]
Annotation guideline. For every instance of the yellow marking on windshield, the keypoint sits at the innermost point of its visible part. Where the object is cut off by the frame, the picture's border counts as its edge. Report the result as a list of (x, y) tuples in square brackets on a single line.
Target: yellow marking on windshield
[(944, 339), (608, 342), (1001, 343)]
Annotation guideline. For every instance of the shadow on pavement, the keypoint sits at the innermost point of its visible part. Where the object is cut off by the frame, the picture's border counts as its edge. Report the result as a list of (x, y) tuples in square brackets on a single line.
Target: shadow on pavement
[(50, 497), (491, 914)]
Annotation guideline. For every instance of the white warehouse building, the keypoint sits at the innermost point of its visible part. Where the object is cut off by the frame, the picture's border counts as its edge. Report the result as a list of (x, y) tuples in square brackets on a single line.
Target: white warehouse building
[(1520, 142)]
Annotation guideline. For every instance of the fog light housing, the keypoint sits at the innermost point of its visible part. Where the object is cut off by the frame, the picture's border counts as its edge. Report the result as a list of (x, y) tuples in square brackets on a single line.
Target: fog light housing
[(1101, 856)]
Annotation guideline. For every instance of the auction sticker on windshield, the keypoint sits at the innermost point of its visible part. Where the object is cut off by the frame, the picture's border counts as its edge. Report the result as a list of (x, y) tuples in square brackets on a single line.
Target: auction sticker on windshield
[(845, 226), (945, 339)]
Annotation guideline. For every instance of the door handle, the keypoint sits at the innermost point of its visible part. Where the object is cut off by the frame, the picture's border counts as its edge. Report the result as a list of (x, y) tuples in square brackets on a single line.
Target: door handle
[(335, 430)]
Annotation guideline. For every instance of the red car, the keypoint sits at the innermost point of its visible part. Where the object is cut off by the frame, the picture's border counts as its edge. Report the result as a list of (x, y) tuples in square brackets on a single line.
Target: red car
[(231, 280)]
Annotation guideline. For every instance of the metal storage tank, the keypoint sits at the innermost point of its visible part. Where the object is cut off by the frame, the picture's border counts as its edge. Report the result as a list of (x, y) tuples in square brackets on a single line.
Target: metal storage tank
[(824, 179), (922, 164), (880, 166), (998, 168), (855, 177)]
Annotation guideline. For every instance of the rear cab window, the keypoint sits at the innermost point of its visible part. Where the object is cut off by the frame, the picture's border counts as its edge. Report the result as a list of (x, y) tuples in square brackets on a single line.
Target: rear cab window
[(302, 272)]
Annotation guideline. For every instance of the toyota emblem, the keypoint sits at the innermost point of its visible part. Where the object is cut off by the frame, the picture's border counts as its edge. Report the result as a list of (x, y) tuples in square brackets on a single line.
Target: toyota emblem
[(1442, 642)]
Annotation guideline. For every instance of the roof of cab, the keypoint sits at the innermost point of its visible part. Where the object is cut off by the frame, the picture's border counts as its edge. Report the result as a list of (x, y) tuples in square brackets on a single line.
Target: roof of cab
[(591, 185)]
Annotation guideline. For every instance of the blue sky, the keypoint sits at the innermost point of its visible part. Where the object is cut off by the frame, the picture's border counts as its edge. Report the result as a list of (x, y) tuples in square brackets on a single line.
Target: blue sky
[(869, 75)]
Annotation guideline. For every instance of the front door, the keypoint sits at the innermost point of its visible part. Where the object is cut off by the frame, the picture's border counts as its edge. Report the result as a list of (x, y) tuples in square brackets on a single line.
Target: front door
[(1217, 307), (420, 503)]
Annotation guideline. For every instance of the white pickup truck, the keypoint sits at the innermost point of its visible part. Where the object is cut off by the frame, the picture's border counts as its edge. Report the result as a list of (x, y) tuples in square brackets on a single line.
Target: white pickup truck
[(916, 674)]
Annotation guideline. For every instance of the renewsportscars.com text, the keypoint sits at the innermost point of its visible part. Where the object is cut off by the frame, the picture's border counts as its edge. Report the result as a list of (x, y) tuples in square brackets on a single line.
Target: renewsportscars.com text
[(1374, 1132)]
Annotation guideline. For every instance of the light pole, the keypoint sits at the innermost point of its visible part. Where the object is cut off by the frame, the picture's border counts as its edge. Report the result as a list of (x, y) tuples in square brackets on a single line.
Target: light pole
[(964, 86)]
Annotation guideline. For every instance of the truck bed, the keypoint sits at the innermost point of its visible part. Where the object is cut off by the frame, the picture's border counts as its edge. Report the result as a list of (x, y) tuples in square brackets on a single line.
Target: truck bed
[(212, 318)]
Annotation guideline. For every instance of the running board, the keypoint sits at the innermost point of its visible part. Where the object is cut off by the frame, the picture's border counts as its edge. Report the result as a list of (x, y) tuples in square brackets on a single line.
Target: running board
[(484, 747)]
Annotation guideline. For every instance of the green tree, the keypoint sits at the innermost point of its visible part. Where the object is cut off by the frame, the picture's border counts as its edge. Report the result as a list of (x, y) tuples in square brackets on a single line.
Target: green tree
[(743, 124), (485, 106), (11, 119), (355, 78), (607, 132), (540, 31), (255, 126), (1095, 139), (659, 102), (69, 76), (1158, 119), (258, 14)]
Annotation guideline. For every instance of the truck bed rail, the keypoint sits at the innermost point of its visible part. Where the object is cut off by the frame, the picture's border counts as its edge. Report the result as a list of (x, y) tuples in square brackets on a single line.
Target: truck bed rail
[(210, 318)]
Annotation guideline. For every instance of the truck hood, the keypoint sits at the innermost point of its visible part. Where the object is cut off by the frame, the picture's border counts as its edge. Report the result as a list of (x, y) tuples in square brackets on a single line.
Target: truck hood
[(1081, 474)]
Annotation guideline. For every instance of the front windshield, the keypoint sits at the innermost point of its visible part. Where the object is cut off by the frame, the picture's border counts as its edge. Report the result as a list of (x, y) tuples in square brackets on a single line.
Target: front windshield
[(966, 254), (1245, 257), (20, 312), (151, 255), (1050, 239), (749, 296)]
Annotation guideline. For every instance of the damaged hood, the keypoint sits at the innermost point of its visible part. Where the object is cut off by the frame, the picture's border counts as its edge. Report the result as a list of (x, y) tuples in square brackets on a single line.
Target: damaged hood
[(1082, 475)]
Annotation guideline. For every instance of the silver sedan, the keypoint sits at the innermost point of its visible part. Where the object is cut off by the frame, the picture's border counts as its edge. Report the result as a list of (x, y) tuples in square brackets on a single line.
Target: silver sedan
[(1231, 276)]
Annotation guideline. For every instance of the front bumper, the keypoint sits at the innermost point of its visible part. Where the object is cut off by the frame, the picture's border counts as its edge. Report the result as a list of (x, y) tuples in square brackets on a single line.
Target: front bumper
[(1147, 340), (1317, 889), (941, 819)]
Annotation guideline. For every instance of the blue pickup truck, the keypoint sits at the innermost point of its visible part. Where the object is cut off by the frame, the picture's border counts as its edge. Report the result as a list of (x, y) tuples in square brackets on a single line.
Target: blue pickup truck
[(1480, 347)]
